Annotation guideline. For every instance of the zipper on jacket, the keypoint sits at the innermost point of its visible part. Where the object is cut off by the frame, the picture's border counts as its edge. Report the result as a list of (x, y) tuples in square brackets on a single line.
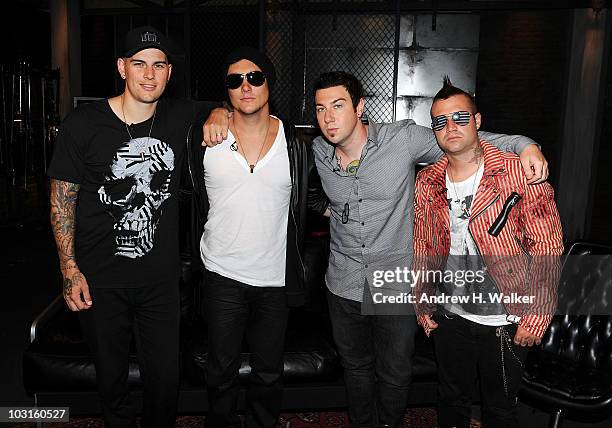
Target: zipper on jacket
[(478, 249), (484, 209), (522, 248), (472, 236), (485, 265)]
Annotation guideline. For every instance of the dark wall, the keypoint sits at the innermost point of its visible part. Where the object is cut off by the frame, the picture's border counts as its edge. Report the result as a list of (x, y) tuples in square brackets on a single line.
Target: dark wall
[(25, 30), (98, 72), (602, 206), (521, 76), (214, 34)]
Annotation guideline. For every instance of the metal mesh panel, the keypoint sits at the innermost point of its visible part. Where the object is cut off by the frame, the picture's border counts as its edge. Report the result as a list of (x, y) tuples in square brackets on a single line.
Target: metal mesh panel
[(301, 44), (359, 44)]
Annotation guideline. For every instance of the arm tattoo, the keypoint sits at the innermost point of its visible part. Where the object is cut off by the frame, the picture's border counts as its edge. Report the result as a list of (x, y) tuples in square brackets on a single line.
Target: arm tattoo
[(67, 286), (63, 207), (70, 281)]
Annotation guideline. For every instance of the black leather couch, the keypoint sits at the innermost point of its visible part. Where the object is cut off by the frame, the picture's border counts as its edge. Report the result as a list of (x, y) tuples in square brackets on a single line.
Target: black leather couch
[(570, 374)]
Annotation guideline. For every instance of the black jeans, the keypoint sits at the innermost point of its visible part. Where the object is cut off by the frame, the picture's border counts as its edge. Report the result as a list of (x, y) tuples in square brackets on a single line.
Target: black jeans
[(151, 314), (231, 309), (467, 352), (376, 353)]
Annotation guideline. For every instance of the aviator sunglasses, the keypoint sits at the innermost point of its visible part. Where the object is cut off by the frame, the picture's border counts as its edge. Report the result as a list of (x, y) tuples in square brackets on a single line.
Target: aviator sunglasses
[(461, 118), (255, 78)]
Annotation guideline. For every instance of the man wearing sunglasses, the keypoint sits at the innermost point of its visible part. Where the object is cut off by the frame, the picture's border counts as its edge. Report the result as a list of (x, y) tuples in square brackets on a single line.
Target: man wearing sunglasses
[(367, 172), (250, 193), (475, 209)]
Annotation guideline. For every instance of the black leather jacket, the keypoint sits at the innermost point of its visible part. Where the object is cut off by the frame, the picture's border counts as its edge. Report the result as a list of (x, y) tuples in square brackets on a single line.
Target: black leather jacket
[(303, 197)]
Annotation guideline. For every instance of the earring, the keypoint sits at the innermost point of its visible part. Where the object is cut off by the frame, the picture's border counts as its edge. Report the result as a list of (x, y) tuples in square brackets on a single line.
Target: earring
[(123, 76)]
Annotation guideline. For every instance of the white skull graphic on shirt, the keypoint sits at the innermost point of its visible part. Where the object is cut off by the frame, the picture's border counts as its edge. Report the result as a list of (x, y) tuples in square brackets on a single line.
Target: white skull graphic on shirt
[(142, 170)]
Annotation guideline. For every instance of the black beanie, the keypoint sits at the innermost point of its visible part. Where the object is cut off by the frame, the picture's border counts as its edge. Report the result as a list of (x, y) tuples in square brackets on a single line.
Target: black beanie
[(256, 57)]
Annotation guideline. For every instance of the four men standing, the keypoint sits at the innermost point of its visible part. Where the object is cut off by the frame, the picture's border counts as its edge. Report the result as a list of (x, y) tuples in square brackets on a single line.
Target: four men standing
[(120, 262)]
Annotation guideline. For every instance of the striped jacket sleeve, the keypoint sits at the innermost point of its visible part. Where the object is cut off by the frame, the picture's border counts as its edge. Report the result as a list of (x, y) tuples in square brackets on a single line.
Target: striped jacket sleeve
[(544, 242), (422, 235)]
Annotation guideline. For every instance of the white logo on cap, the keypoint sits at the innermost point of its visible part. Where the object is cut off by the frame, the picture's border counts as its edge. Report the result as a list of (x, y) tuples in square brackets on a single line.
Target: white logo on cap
[(148, 37)]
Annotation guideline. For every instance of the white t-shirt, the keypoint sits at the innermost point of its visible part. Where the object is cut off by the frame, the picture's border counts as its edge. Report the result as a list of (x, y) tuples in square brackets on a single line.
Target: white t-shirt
[(460, 196), (245, 235)]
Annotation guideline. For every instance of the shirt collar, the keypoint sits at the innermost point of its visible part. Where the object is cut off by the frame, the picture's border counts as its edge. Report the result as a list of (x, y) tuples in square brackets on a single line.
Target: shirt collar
[(373, 129), (492, 159)]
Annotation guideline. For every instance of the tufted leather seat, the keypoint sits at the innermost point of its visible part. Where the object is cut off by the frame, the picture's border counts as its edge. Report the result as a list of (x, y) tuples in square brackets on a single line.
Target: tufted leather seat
[(570, 373)]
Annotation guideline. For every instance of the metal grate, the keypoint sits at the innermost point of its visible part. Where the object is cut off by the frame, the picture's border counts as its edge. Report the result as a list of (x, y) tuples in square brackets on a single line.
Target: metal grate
[(305, 45), (302, 43), (359, 44)]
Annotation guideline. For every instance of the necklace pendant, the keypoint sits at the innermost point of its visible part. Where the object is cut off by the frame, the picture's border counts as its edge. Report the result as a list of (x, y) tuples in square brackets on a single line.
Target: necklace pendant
[(252, 168)]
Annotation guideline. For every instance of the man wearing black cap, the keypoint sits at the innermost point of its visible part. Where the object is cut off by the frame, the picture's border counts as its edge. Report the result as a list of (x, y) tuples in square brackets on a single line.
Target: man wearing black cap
[(251, 193), (118, 246)]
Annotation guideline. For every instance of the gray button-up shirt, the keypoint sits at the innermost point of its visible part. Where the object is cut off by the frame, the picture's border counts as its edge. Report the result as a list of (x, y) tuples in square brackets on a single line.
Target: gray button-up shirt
[(380, 198)]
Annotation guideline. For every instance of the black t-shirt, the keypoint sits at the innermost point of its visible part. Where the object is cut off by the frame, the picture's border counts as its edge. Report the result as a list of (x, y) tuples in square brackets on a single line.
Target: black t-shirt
[(127, 210)]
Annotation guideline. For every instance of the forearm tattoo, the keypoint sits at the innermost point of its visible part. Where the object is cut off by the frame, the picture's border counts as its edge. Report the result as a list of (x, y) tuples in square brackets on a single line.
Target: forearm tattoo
[(63, 207)]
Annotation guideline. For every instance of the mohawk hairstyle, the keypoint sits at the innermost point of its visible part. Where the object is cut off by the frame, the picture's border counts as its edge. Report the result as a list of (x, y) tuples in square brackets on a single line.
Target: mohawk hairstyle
[(448, 90)]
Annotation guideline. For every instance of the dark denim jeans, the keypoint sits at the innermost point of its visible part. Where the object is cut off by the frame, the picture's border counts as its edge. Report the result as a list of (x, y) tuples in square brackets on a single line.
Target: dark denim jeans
[(467, 352), (150, 314), (376, 352), (231, 310)]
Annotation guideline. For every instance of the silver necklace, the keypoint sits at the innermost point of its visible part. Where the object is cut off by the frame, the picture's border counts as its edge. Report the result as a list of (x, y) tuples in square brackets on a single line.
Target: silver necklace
[(467, 211), (252, 165), (127, 128)]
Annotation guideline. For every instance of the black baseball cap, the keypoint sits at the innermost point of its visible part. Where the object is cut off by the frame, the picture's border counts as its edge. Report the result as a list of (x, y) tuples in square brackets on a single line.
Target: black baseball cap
[(146, 37)]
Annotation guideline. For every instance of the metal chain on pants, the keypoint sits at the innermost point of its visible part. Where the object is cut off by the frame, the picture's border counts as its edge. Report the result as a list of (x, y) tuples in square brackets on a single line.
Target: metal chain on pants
[(504, 338)]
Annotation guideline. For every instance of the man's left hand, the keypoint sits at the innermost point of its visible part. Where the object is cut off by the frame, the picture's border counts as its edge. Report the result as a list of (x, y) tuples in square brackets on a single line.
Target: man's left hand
[(524, 338), (534, 164), (214, 131)]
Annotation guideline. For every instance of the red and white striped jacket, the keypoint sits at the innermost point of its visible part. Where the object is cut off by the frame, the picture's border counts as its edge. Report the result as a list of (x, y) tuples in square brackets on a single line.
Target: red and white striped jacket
[(522, 259)]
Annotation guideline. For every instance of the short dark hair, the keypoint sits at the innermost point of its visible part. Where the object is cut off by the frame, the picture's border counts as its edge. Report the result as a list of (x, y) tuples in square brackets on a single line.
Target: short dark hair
[(448, 90), (340, 78)]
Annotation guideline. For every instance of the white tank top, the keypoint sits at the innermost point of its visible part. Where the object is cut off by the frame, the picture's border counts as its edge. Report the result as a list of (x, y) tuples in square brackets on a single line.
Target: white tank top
[(245, 235)]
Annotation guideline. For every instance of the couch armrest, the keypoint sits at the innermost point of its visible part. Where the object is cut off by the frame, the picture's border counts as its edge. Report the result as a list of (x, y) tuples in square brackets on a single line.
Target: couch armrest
[(39, 323)]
